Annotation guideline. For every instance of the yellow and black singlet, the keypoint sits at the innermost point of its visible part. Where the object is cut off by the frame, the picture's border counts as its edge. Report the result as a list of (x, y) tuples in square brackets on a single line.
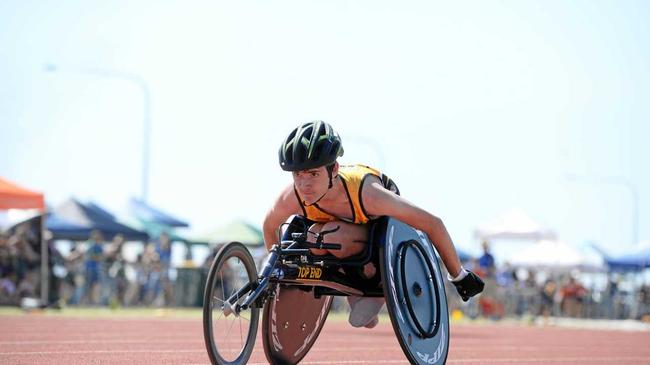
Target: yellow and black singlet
[(352, 177)]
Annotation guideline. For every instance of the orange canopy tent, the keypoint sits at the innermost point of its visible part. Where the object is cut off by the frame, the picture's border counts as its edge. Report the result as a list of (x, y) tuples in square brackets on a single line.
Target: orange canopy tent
[(13, 196)]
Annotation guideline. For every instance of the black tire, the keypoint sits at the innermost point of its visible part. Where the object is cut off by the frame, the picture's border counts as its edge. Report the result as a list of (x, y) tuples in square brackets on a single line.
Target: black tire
[(232, 269), (415, 294)]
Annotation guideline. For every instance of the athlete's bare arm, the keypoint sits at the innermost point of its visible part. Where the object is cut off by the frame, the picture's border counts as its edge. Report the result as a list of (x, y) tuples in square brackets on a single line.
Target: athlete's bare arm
[(379, 201), (284, 206)]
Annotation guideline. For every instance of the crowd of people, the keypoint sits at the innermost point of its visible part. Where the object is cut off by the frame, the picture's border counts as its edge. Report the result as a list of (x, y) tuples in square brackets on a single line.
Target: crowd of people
[(98, 274), (95, 272), (20, 261), (517, 292)]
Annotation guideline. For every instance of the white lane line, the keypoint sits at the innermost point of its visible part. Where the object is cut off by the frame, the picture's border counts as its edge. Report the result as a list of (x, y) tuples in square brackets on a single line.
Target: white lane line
[(99, 352), (72, 352), (319, 348), (376, 361), (81, 342), (463, 361), (554, 359)]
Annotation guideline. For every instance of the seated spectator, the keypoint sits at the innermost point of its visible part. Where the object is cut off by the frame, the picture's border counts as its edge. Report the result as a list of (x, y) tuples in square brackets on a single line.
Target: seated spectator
[(27, 286)]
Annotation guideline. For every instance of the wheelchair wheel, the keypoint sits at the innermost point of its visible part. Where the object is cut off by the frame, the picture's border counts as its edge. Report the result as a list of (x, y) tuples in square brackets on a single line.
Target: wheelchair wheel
[(291, 323), (229, 336), (415, 294)]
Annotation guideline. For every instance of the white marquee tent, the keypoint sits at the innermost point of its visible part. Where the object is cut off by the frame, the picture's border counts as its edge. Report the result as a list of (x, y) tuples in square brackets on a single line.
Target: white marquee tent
[(513, 224), (556, 255)]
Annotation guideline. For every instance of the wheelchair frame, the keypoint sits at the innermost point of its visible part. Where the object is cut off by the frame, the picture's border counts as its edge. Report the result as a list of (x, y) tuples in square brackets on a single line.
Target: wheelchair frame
[(414, 290)]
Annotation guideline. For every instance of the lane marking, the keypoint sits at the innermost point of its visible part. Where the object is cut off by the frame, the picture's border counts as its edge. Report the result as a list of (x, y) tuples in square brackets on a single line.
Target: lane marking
[(404, 361), (81, 342), (99, 352), (555, 359)]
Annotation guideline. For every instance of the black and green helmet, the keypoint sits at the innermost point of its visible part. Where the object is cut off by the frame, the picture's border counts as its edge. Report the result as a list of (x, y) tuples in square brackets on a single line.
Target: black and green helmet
[(310, 145)]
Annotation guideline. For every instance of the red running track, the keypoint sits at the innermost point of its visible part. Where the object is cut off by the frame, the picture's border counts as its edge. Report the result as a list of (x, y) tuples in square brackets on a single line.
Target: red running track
[(37, 339)]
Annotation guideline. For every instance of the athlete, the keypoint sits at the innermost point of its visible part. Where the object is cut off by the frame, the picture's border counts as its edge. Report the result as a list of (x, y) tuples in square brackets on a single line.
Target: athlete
[(347, 198)]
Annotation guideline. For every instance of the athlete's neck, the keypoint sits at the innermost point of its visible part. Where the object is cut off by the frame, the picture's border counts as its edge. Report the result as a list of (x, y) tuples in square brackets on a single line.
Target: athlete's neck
[(330, 196), (333, 195)]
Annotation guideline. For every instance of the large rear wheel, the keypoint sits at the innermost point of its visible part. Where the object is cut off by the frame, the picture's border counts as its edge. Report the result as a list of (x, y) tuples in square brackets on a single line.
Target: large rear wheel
[(415, 295), (229, 332)]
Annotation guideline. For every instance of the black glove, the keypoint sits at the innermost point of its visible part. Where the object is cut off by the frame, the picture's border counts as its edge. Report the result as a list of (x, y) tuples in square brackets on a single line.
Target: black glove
[(469, 286)]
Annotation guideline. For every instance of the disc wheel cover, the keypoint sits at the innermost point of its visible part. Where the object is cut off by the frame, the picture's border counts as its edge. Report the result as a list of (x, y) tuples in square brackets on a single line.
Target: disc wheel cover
[(415, 294), (291, 323)]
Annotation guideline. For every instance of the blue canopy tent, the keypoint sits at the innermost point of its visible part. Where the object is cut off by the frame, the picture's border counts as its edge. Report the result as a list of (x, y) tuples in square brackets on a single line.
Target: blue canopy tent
[(155, 222), (63, 229), (147, 213), (633, 261), (91, 216)]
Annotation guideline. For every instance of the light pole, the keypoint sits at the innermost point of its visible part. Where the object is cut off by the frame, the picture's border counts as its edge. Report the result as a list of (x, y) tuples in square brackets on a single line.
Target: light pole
[(619, 181), (146, 125)]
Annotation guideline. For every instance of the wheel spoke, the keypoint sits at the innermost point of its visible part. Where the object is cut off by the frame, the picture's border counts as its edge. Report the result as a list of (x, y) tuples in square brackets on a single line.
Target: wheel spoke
[(241, 335), (229, 277), (228, 332), (220, 315), (216, 301), (222, 286)]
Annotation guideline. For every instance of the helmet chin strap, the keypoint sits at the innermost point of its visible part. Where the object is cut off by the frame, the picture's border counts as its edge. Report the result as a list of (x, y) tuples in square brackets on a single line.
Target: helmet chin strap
[(325, 193)]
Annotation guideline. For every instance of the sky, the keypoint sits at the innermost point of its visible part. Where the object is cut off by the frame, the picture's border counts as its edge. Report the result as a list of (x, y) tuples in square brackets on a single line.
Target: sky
[(472, 107)]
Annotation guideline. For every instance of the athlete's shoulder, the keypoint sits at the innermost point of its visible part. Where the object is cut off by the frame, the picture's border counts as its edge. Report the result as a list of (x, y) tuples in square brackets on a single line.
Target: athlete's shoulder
[(358, 171), (288, 198)]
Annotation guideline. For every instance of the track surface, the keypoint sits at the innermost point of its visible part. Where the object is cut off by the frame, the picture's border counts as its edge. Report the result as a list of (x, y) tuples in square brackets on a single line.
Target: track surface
[(38, 339)]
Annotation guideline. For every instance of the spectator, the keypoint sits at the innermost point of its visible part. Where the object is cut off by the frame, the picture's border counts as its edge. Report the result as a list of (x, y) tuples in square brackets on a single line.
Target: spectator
[(94, 259), (7, 274), (114, 273), (75, 281), (24, 248), (6, 262), (644, 303), (56, 267), (571, 298), (164, 251), (547, 297), (486, 262), (27, 286), (150, 275), (489, 304)]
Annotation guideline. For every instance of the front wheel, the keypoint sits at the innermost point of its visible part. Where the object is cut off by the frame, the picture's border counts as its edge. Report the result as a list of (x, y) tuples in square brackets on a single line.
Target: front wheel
[(230, 333)]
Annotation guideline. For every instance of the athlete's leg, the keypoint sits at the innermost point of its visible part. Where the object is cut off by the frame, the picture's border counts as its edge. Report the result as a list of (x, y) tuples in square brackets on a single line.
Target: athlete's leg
[(311, 237), (353, 238)]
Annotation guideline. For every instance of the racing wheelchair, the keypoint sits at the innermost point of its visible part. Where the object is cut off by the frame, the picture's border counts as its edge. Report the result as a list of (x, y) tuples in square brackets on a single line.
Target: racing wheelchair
[(294, 289)]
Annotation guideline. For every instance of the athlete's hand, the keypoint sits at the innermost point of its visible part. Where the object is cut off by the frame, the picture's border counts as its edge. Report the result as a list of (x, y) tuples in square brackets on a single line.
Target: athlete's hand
[(469, 286)]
